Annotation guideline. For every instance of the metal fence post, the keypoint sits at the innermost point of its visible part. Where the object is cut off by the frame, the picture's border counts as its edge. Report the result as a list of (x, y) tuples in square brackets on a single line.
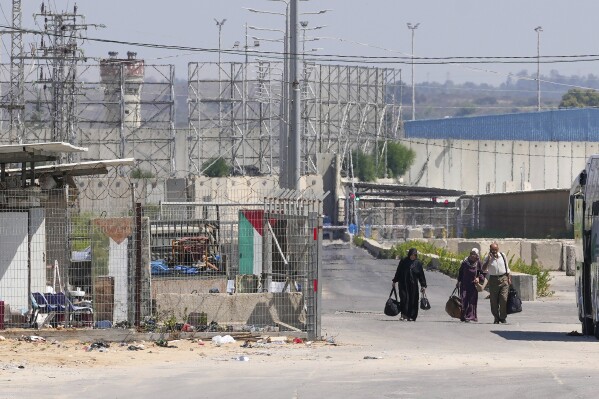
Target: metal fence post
[(138, 245)]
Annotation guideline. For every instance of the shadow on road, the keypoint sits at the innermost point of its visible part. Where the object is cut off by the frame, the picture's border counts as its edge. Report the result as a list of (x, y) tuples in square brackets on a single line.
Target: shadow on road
[(541, 336)]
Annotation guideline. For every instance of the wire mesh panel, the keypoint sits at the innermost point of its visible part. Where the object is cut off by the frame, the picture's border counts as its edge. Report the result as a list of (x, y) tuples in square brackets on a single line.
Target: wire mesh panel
[(99, 255), (408, 222), (233, 266)]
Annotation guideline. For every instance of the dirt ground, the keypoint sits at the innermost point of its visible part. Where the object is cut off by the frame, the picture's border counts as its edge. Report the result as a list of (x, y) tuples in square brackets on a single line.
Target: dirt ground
[(22, 349), (29, 351)]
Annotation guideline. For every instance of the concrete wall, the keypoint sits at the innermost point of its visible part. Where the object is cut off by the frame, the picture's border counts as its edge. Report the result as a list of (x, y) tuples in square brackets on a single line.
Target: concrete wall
[(487, 166), (245, 188), (166, 285), (538, 214), (263, 309)]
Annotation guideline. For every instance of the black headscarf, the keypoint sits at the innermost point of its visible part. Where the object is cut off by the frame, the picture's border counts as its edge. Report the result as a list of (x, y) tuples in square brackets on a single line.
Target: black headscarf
[(412, 251)]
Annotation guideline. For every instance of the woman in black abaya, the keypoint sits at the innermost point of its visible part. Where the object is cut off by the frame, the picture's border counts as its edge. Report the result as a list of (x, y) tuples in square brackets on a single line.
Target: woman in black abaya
[(409, 273)]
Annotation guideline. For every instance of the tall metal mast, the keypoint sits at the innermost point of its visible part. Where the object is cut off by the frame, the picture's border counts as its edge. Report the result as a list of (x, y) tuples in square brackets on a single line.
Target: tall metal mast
[(16, 105)]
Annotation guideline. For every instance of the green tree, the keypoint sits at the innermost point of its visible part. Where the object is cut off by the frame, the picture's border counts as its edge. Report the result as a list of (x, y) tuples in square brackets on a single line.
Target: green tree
[(364, 166), (216, 167), (139, 173), (399, 158), (580, 98)]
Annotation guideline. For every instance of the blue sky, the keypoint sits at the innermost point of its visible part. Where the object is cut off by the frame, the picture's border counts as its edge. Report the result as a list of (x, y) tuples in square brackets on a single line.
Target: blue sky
[(358, 28)]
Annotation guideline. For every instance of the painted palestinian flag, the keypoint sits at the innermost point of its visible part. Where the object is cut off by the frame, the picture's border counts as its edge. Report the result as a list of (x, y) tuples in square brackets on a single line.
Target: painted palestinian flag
[(251, 229)]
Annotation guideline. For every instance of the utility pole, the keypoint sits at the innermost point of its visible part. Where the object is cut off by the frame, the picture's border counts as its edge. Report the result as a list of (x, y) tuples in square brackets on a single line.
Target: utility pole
[(62, 55), (539, 29), (413, 29), (294, 105)]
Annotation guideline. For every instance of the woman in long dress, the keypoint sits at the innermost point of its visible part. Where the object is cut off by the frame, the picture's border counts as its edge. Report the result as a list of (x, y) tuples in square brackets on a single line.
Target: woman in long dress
[(470, 271), (409, 273)]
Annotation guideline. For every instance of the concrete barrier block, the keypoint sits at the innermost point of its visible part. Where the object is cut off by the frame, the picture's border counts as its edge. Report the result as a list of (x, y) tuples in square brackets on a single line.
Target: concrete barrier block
[(526, 251), (260, 309), (413, 233), (526, 285), (570, 260), (467, 245), (439, 242), (375, 234), (440, 232), (452, 244), (547, 254), (428, 232), (511, 248)]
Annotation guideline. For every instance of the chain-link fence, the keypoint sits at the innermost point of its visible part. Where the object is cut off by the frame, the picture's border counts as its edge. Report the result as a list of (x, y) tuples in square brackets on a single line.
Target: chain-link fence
[(72, 257), (399, 223)]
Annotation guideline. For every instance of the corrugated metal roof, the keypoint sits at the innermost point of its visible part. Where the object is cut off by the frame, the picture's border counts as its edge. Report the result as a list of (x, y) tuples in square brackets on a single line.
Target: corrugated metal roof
[(79, 168), (36, 152), (581, 124)]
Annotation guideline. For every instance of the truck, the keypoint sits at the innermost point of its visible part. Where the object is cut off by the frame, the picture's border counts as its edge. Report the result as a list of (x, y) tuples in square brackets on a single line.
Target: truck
[(583, 215)]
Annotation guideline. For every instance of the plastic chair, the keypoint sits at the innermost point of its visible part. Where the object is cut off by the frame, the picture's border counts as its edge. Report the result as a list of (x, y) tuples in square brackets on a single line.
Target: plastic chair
[(63, 303), (42, 303)]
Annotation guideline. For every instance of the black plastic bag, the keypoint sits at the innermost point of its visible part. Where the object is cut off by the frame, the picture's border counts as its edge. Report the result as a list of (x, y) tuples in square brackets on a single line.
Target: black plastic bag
[(392, 305), (424, 303), (514, 303)]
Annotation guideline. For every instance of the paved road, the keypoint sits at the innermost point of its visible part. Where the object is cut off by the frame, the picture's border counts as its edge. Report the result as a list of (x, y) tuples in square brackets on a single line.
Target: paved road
[(435, 357)]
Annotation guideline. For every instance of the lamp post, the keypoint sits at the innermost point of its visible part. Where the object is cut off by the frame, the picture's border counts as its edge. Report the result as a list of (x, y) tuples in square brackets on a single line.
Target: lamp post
[(289, 137), (283, 124), (219, 25), (539, 29), (304, 25), (413, 29)]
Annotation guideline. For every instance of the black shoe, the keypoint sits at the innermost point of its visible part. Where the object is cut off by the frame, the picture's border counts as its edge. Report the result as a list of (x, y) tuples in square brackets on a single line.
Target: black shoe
[(502, 321), (496, 322)]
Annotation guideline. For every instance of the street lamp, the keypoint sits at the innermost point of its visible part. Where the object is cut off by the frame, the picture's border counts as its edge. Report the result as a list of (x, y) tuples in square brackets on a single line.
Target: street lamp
[(219, 24), (290, 143), (539, 29), (284, 105), (413, 28)]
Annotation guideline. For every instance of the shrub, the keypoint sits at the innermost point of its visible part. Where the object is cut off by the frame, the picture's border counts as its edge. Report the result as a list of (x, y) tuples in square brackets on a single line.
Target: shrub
[(216, 167), (358, 241)]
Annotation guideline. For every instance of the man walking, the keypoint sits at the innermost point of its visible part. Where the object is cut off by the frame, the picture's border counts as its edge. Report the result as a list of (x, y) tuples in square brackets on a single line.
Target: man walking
[(495, 266)]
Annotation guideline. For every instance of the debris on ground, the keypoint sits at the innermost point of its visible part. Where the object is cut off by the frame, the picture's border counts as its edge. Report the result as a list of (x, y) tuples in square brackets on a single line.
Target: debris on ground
[(32, 338), (163, 343), (100, 346), (220, 340), (575, 333)]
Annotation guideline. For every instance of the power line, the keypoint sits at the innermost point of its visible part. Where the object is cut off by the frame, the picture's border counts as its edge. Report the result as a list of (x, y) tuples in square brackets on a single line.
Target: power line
[(450, 60)]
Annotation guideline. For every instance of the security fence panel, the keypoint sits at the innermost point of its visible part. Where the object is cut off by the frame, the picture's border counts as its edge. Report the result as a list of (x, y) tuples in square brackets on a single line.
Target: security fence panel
[(67, 258), (397, 223)]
